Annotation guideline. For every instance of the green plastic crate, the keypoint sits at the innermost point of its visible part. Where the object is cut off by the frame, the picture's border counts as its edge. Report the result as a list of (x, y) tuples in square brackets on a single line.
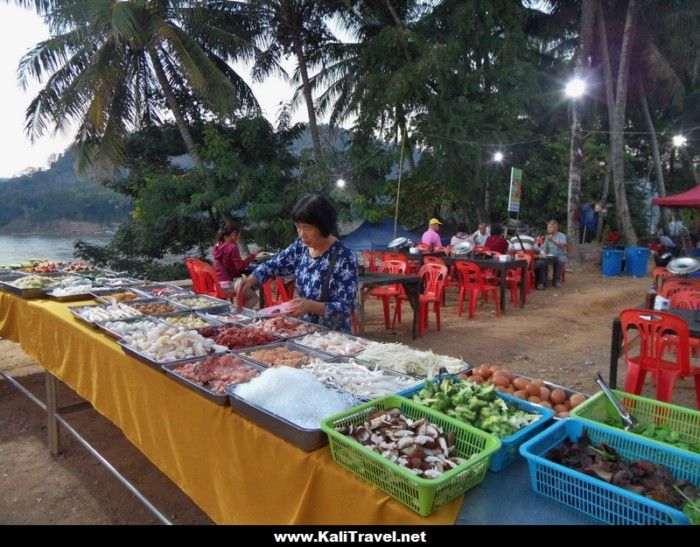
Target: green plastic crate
[(424, 496), (598, 409)]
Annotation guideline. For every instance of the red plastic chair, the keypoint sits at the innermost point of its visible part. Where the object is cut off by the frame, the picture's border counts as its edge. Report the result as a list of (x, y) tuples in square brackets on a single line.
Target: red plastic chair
[(658, 332), (449, 280), (672, 286), (434, 276), (373, 259), (204, 279), (390, 291), (530, 257), (686, 300), (659, 275), (410, 267), (276, 296), (471, 281)]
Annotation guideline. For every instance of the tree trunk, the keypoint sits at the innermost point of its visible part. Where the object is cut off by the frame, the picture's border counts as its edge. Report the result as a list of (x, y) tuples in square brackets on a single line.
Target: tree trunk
[(660, 185), (175, 109), (576, 153), (603, 203), (401, 120), (617, 136), (306, 87)]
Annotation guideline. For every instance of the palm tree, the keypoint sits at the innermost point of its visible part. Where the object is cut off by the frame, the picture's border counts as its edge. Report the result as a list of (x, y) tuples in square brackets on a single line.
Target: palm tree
[(114, 66), (289, 27), (368, 77)]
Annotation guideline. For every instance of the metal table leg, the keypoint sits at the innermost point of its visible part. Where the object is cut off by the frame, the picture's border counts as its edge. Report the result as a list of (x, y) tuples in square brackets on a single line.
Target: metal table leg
[(616, 340), (523, 284), (52, 431), (361, 294), (412, 292)]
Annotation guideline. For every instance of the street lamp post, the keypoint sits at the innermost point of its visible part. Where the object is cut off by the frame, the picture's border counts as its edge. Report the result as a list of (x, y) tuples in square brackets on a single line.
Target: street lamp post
[(575, 89)]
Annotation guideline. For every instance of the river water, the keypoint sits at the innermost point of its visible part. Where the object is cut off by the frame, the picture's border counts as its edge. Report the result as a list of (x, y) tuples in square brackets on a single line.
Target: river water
[(21, 248)]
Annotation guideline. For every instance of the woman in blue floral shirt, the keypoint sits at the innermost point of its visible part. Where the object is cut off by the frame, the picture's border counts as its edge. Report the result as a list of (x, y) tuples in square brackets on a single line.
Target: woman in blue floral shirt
[(327, 296)]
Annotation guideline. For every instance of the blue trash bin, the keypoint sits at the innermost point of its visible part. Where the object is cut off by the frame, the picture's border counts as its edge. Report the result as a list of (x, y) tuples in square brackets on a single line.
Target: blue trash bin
[(637, 260), (611, 264)]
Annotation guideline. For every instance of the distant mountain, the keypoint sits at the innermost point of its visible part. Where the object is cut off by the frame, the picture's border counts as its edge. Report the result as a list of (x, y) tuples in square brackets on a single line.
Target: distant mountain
[(57, 193)]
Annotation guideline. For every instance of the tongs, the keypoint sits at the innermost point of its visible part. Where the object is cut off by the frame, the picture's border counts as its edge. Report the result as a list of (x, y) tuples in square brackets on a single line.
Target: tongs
[(626, 416)]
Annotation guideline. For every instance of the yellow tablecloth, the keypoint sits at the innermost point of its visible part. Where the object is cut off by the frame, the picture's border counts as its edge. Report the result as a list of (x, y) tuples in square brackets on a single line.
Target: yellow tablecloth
[(236, 472)]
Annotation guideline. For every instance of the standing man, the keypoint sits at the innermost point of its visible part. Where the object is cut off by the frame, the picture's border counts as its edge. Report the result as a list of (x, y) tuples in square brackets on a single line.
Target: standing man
[(555, 244), (481, 235), (431, 237)]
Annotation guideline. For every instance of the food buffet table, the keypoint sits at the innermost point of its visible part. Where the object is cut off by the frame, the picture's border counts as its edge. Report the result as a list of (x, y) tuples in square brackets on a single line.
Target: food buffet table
[(234, 470), (237, 472)]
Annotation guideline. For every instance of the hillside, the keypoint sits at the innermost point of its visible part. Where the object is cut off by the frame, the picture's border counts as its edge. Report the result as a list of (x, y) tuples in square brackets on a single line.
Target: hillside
[(55, 194)]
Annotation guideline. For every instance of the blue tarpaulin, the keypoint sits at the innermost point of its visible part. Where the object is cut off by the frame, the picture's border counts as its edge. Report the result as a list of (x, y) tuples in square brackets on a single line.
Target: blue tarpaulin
[(368, 236)]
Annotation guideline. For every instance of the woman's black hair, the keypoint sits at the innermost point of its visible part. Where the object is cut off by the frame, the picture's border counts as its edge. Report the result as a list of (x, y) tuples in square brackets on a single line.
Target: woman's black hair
[(496, 229), (316, 210), (227, 229), (462, 227)]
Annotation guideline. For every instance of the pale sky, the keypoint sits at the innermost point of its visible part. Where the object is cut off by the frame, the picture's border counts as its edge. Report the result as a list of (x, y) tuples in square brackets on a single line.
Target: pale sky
[(20, 30)]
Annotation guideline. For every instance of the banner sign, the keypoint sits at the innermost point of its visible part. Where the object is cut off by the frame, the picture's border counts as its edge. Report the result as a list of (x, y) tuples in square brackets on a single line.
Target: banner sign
[(516, 188)]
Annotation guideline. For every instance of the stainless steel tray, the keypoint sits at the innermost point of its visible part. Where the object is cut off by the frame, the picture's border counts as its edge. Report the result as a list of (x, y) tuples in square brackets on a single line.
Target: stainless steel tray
[(108, 283), (150, 362), (219, 399), (27, 294), (11, 275), (134, 303), (233, 316), (71, 297), (100, 294), (306, 439), (151, 290), (207, 319), (101, 325), (216, 304), (74, 311), (283, 344), (317, 328), (238, 326), (297, 340), (373, 366)]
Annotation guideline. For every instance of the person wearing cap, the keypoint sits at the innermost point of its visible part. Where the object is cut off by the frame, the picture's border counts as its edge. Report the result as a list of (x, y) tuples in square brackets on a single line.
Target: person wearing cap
[(431, 237)]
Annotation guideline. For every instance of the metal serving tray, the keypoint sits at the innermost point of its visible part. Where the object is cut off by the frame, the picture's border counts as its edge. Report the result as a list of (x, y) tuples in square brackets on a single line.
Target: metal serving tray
[(204, 317), (107, 283), (155, 364), (74, 311), (282, 344), (101, 325), (232, 316), (238, 326), (317, 328), (297, 340), (219, 399), (27, 294), (372, 366), (306, 439), (216, 304), (11, 275), (149, 290), (135, 303), (72, 297), (102, 294)]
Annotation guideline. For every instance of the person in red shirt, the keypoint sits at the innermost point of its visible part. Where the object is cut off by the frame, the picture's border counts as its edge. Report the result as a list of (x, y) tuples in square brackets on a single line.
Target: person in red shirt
[(496, 242), (228, 263)]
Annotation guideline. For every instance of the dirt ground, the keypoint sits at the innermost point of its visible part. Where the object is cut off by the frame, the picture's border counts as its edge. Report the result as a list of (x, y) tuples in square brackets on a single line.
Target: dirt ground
[(562, 335)]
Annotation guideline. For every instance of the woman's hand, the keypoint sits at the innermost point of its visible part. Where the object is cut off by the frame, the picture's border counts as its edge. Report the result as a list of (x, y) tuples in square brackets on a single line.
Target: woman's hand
[(302, 306), (245, 287)]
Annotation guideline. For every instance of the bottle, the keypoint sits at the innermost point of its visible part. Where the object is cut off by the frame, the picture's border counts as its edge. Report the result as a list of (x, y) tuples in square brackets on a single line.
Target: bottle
[(651, 298)]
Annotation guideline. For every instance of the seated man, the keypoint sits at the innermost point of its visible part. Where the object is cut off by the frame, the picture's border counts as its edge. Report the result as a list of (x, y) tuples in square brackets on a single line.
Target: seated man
[(430, 236), (669, 245), (555, 244), (522, 241), (481, 235)]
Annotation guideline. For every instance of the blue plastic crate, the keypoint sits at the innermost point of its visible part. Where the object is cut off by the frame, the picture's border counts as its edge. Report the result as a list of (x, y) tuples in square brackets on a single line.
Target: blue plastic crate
[(595, 497), (508, 452)]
